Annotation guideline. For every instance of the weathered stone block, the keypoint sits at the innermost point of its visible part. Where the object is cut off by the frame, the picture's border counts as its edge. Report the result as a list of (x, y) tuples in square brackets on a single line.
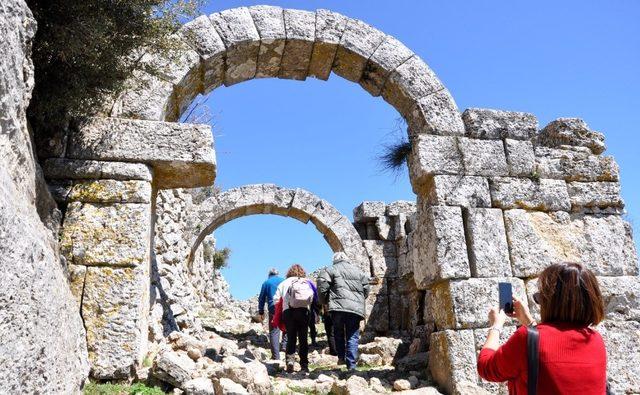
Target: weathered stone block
[(436, 113), (621, 297), (114, 309), (544, 195), (575, 165), (200, 35), (481, 338), (303, 203), (329, 29), (181, 154), (77, 274), (603, 244), (441, 246), (483, 157), (521, 158), (110, 191), (400, 207), (571, 132), (147, 97), (497, 124), (487, 242), (368, 211), (300, 31), (382, 255), (269, 21), (238, 32), (622, 341), (432, 155), (357, 44), (390, 54), (408, 83), (594, 195), (466, 191), (452, 359), (114, 235), (463, 304), (58, 168)]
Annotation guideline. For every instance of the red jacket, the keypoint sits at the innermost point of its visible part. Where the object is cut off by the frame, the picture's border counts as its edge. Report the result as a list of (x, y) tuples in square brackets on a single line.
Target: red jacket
[(573, 360), (277, 320)]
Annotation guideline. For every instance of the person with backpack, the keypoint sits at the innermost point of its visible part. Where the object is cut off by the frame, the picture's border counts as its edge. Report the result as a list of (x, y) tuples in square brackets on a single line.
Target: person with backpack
[(344, 287), (267, 291), (562, 354), (297, 294)]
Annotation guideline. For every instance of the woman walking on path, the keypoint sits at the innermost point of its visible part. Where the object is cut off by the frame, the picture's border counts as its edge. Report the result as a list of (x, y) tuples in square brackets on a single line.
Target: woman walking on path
[(297, 294), (571, 355)]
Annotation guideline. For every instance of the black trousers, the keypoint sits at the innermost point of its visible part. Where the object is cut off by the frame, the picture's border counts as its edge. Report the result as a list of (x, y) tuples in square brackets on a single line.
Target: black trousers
[(297, 324), (328, 328), (312, 325)]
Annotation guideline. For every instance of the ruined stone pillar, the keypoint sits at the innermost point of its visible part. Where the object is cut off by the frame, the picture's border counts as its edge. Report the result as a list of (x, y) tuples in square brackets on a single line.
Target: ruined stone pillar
[(108, 224), (502, 203)]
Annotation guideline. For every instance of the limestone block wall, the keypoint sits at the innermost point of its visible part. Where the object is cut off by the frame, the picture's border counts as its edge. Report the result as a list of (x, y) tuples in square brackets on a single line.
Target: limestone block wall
[(42, 340), (501, 204)]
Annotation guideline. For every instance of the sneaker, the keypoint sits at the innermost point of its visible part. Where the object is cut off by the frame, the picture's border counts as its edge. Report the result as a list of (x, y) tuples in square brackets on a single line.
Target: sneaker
[(290, 367)]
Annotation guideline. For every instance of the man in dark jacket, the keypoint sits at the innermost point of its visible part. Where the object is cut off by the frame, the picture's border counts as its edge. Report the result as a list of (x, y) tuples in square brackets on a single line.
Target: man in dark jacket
[(344, 287), (266, 296)]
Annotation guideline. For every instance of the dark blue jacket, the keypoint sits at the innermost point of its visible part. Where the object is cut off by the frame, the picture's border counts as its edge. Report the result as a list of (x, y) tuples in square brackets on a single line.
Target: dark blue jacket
[(266, 293)]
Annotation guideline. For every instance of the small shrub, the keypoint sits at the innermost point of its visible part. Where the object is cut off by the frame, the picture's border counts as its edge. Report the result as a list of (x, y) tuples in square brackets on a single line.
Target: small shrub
[(120, 389), (220, 258)]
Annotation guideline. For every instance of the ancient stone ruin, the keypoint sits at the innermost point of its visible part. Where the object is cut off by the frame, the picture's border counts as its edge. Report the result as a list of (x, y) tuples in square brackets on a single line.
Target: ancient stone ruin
[(498, 199)]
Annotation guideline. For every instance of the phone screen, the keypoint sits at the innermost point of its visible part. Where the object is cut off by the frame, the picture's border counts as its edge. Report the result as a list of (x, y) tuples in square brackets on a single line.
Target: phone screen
[(506, 297)]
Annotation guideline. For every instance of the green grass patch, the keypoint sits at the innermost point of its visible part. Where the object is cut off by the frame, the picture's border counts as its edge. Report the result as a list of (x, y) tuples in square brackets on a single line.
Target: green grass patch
[(120, 389)]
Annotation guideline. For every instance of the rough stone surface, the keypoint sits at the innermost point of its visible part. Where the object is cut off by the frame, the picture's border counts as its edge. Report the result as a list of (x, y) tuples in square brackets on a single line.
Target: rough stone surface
[(483, 157), (114, 309), (452, 359), (42, 340), (571, 132), (369, 211), (543, 195), (269, 22), (432, 155), (521, 158), (174, 367), (329, 29), (463, 304), (435, 113), (382, 255), (622, 341), (110, 191), (58, 168), (358, 42), (203, 38), (408, 83), (390, 54), (487, 242), (621, 297), (497, 124), (240, 36), (593, 196), (466, 191), (442, 253), (300, 32), (199, 386), (147, 97), (603, 244), (575, 165), (106, 234), (181, 154)]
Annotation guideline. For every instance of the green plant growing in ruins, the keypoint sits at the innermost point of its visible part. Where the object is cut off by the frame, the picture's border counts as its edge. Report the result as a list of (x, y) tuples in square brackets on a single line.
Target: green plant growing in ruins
[(93, 388), (219, 258), (93, 41), (394, 155)]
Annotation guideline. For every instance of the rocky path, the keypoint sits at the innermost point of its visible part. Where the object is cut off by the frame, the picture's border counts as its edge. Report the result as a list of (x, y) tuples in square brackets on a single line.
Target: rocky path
[(230, 355)]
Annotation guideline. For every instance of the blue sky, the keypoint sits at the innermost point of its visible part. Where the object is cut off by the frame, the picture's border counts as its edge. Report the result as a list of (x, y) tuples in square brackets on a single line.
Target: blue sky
[(553, 59)]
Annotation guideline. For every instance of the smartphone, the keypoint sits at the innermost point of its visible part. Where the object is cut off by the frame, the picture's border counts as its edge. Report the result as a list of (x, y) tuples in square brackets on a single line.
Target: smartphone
[(506, 297)]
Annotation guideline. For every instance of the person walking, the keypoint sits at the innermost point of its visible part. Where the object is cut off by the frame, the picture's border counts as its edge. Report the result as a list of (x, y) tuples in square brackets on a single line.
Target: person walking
[(344, 287), (571, 354), (297, 294), (267, 292)]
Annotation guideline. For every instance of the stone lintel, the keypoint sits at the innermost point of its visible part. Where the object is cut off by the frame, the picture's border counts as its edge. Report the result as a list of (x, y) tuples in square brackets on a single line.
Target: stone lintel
[(181, 155)]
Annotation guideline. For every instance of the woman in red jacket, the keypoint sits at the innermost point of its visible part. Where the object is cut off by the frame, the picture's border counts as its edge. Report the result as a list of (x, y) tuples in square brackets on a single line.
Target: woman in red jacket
[(572, 356)]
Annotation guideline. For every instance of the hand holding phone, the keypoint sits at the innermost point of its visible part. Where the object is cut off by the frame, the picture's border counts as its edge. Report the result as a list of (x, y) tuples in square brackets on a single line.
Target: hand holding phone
[(505, 291)]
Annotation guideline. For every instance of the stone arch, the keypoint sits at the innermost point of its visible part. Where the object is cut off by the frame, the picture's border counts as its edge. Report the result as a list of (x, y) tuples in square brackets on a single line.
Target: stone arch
[(244, 43), (297, 203)]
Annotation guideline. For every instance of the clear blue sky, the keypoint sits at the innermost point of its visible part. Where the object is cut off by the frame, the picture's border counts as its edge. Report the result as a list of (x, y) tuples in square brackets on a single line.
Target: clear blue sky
[(553, 59)]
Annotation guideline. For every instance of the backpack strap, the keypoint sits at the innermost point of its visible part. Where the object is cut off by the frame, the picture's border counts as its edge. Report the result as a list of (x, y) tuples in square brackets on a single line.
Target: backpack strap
[(533, 359)]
